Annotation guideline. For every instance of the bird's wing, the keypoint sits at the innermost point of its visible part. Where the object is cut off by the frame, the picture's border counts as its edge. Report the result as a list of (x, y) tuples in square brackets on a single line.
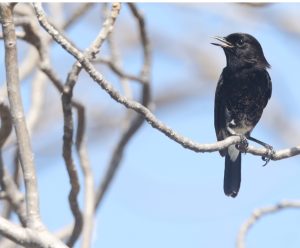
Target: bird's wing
[(269, 91), (220, 121)]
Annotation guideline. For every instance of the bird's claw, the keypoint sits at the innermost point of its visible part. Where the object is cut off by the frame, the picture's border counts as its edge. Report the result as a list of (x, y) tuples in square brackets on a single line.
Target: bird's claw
[(269, 154), (243, 145)]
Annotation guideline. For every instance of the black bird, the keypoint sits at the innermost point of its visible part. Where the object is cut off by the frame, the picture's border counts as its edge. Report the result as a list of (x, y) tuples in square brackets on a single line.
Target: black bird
[(242, 93)]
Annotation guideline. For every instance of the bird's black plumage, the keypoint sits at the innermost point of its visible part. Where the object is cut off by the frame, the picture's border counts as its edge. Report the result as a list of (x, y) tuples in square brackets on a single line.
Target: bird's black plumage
[(242, 93)]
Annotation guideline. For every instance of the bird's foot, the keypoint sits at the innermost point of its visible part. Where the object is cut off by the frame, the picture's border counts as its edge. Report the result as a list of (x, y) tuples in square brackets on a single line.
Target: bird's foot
[(243, 145), (270, 151), (269, 154)]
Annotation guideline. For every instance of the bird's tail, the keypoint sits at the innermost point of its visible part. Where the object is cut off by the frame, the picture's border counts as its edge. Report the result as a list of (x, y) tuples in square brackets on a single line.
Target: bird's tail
[(232, 174)]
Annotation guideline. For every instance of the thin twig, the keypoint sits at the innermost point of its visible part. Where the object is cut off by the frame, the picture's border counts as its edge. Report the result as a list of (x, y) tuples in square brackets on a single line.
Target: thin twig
[(68, 132), (144, 38), (35, 39), (106, 29), (16, 178), (260, 213), (80, 11), (37, 100), (56, 10), (67, 154), (116, 69), (47, 69), (116, 60), (137, 120), (89, 194), (12, 194)]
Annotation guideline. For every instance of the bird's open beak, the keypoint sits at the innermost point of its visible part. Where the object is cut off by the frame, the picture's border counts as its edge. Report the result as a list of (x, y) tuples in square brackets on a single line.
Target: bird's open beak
[(224, 43)]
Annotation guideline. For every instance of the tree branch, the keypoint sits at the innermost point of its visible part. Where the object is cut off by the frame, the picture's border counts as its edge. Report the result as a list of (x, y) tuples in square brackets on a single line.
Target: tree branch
[(116, 69), (12, 194), (137, 120), (68, 130), (31, 60), (260, 213), (28, 237), (33, 37), (89, 194), (36, 234), (67, 154), (14, 95), (80, 11)]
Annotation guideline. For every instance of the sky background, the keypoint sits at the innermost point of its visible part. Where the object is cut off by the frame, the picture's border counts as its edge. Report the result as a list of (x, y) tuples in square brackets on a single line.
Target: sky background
[(164, 195)]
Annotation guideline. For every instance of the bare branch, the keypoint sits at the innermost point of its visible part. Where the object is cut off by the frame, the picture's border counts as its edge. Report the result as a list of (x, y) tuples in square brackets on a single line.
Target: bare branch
[(37, 100), (137, 121), (71, 81), (3, 195), (28, 237), (106, 29), (144, 38), (33, 37), (116, 60), (260, 213), (68, 130), (31, 60), (35, 235), (67, 154), (65, 232), (14, 95), (89, 195), (14, 203), (12, 194), (145, 112), (23, 9), (14, 232), (80, 11), (116, 69), (56, 11), (27, 66)]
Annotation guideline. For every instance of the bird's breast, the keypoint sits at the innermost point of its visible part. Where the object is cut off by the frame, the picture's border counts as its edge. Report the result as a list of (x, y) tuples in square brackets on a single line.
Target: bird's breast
[(245, 99)]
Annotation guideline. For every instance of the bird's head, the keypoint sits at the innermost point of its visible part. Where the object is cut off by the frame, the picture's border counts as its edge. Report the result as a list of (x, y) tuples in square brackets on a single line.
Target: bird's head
[(242, 50)]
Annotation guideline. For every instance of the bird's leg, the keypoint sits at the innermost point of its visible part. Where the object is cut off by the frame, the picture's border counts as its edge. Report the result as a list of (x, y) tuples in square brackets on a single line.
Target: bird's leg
[(242, 146), (270, 150)]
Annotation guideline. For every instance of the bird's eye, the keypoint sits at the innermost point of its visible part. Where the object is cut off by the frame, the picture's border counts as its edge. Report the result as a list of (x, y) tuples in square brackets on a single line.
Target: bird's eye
[(240, 42)]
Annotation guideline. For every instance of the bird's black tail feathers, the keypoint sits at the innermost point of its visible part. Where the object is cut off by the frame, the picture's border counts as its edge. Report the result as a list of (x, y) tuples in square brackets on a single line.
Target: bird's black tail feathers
[(232, 174)]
